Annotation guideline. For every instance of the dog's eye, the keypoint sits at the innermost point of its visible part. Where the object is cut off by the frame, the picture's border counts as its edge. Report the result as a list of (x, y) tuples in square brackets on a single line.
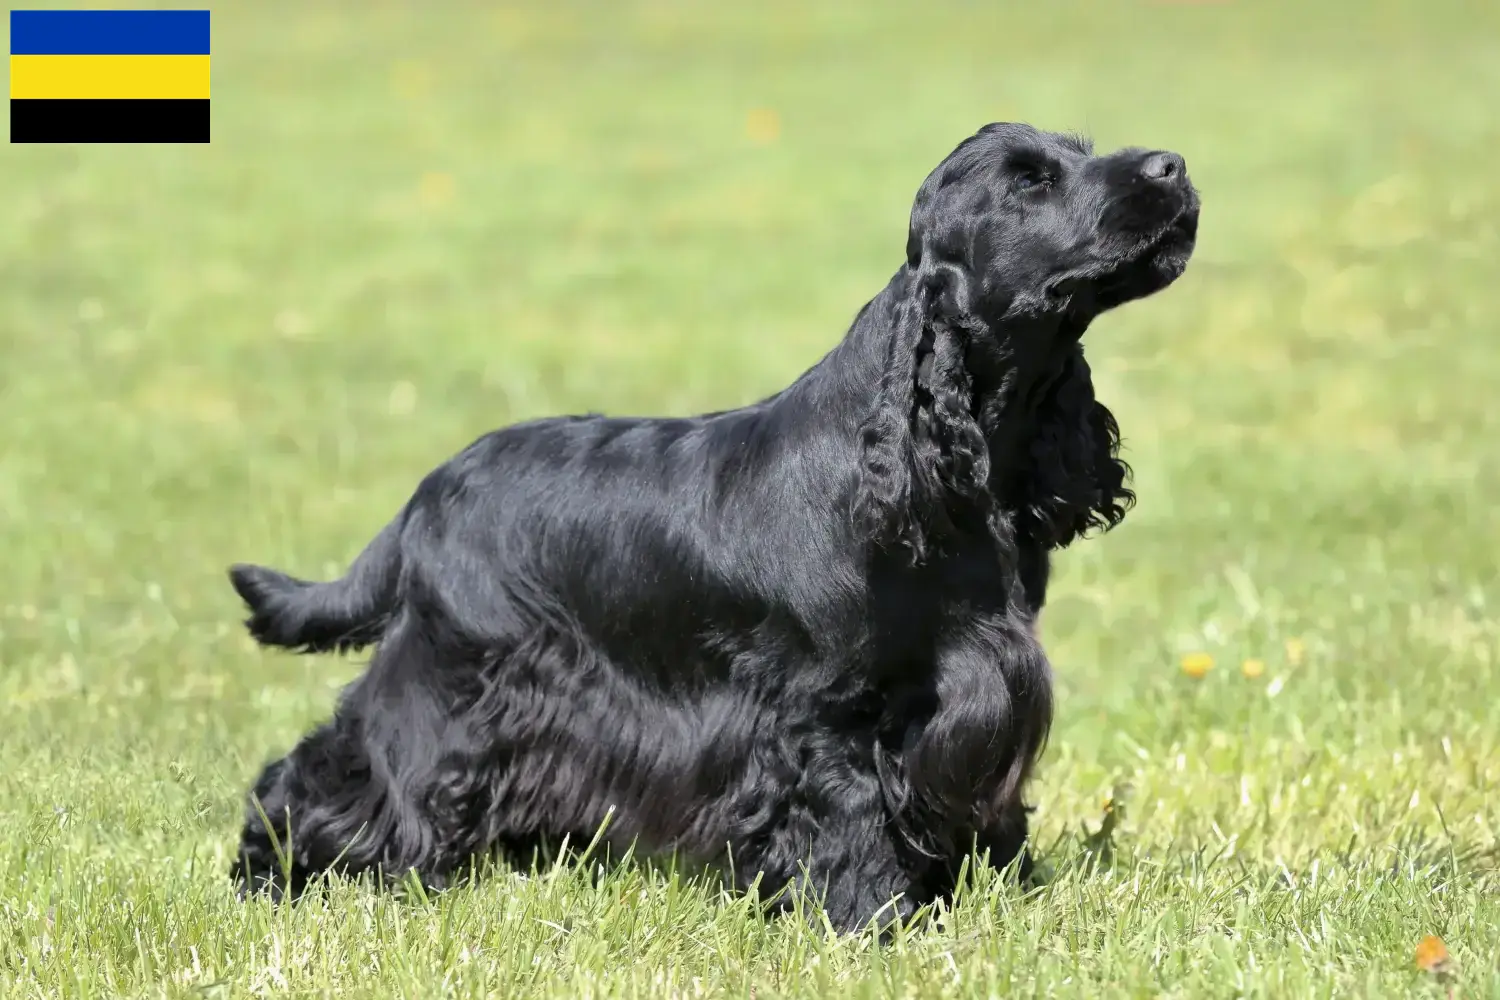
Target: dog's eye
[(1028, 178)]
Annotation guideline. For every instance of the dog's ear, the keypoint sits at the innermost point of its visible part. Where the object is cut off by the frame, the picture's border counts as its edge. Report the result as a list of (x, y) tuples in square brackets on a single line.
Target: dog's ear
[(1077, 481), (921, 447), (883, 504)]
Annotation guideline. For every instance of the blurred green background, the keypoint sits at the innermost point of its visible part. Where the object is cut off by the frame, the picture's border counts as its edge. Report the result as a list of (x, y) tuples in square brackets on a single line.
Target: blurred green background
[(420, 221)]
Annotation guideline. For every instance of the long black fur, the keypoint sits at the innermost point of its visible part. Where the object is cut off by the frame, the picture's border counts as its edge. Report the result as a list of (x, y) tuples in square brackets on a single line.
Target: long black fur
[(800, 633)]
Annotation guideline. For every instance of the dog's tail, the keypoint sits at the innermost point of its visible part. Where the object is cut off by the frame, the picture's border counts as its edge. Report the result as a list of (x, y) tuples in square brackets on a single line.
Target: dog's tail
[(341, 615)]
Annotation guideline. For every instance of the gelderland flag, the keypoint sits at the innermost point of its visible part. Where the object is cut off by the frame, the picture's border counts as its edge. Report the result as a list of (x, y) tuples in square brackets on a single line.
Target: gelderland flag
[(109, 76)]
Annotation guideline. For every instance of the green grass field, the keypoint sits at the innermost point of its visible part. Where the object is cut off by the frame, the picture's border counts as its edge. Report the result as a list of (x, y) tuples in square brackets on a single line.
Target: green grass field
[(417, 222)]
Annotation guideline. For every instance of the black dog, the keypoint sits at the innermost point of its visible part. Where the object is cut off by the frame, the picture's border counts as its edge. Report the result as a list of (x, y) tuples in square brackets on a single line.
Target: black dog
[(795, 634)]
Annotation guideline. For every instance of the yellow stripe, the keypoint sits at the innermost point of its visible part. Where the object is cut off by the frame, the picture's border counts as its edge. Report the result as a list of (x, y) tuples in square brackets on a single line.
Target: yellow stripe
[(94, 77)]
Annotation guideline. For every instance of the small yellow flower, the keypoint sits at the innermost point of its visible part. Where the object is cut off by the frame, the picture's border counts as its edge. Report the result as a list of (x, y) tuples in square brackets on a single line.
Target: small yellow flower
[(403, 399), (1295, 651), (1253, 668), (411, 80), (436, 189), (1195, 665), (762, 126), (1433, 957)]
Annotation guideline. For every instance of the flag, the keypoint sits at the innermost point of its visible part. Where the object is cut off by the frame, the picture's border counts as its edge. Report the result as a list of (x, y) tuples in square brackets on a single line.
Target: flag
[(109, 75)]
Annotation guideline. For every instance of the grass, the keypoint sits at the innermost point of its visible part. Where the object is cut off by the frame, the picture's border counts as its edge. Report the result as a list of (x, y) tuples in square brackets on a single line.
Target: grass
[(420, 221)]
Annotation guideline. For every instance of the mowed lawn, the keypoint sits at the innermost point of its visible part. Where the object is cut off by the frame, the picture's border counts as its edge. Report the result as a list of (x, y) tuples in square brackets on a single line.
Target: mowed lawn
[(419, 221)]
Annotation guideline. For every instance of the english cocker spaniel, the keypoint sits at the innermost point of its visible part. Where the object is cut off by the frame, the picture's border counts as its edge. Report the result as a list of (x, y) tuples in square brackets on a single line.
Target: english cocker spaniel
[(795, 639)]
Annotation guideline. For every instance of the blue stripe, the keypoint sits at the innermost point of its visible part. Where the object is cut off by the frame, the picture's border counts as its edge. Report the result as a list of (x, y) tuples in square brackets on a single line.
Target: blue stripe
[(109, 32)]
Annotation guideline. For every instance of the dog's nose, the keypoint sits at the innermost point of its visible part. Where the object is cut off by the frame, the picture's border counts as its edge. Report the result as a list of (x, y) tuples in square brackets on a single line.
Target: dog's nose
[(1163, 168)]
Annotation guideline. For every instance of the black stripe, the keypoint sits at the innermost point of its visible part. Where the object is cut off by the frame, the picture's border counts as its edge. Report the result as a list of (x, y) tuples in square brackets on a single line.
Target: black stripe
[(109, 121)]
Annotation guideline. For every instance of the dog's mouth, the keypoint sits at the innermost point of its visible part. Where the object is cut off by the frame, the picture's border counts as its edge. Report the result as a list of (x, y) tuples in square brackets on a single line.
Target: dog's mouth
[(1169, 251), (1146, 256), (1154, 262)]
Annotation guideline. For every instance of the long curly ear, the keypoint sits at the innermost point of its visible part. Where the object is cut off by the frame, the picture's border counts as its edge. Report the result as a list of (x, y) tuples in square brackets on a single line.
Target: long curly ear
[(950, 452), (883, 498), (1077, 481), (923, 452)]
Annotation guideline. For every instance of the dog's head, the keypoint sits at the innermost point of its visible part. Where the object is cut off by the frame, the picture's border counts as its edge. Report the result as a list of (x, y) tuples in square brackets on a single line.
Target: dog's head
[(1017, 222), (1017, 241)]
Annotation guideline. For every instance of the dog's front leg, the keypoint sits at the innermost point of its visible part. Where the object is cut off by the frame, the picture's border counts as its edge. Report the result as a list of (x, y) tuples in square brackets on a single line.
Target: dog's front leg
[(1004, 840), (856, 867), (837, 842), (975, 754)]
